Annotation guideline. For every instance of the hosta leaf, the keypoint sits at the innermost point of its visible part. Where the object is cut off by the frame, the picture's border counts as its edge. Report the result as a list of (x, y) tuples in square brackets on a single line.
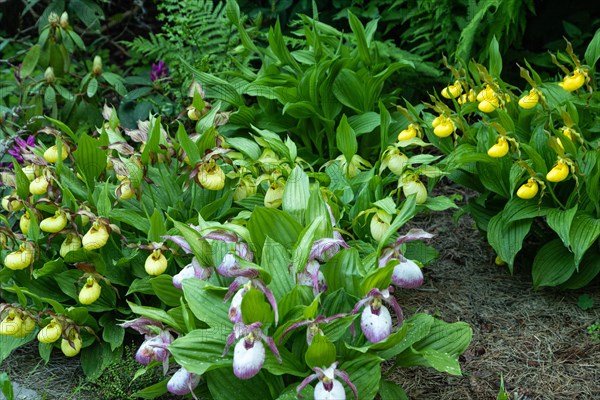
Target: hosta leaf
[(560, 221), (552, 265), (507, 237), (584, 231)]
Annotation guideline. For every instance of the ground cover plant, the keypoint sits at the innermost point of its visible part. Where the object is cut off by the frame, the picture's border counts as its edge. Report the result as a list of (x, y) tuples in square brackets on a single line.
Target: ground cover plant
[(221, 230)]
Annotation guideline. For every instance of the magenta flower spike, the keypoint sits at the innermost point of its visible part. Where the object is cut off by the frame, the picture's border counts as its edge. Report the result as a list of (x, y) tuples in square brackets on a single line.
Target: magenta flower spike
[(249, 351), (328, 387)]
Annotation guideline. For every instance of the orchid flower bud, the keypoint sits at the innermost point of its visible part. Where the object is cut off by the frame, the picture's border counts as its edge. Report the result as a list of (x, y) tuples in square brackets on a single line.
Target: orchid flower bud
[(49, 75), (125, 190), (64, 20), (97, 65), (452, 91), (415, 186), (25, 223), (274, 195), (380, 223)]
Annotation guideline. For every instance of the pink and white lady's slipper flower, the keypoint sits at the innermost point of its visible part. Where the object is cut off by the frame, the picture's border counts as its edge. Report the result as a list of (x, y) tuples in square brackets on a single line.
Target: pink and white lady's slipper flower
[(312, 276), (192, 270), (328, 387), (183, 382), (249, 351), (375, 320), (154, 348), (407, 274)]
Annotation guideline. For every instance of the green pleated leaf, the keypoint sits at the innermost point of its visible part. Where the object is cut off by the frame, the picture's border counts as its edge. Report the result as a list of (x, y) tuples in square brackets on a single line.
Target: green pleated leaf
[(157, 227), (276, 224), (589, 267), (553, 265), (321, 352), (364, 123), (276, 260), (495, 58), (517, 209), (156, 314), (162, 287), (224, 385), (592, 53), (202, 350), (560, 222), (346, 139), (200, 247), (90, 159), (304, 244), (152, 391), (296, 194), (507, 237), (391, 391), (367, 384), (318, 209), (206, 304), (92, 87), (361, 40), (584, 231), (342, 272)]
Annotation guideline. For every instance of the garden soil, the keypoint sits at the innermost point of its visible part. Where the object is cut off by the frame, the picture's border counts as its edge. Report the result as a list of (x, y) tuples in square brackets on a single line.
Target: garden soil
[(537, 341)]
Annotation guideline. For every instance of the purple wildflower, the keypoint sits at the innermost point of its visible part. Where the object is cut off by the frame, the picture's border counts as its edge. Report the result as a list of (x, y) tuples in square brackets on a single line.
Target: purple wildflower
[(376, 321), (160, 70), (21, 147)]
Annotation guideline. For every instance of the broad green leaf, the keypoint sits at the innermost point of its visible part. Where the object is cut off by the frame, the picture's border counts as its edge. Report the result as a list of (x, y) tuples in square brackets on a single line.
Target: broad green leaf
[(517, 209), (585, 230), (157, 227), (21, 180), (10, 343), (201, 350), (156, 314), (588, 270), (495, 58), (200, 247), (367, 384), (364, 123), (255, 308), (391, 391), (50, 267), (162, 287), (320, 353), (560, 222), (296, 194), (276, 260), (30, 61), (507, 237), (276, 224), (206, 304), (90, 159), (380, 278), (154, 138), (553, 265), (92, 87), (361, 40), (405, 213), (224, 385), (190, 148), (304, 244), (592, 53), (342, 271), (317, 208), (152, 391), (346, 139), (112, 333)]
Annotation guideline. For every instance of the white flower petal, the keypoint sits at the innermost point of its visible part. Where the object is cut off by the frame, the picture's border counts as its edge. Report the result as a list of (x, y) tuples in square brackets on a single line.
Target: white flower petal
[(376, 327), (337, 392), (407, 275), (247, 361)]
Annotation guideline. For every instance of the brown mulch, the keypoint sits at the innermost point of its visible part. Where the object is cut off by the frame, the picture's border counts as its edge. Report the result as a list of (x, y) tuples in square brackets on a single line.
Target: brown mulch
[(537, 340)]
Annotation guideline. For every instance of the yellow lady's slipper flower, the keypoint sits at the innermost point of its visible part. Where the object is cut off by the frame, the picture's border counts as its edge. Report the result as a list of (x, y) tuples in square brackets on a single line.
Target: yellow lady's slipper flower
[(409, 133), (51, 154), (210, 176), (245, 188), (415, 186), (96, 237), (469, 97), (19, 259), (438, 120), (444, 128), (559, 172), (71, 243), (380, 223), (573, 82), (486, 93), (528, 190), (54, 224), (50, 333), (11, 324), (274, 195), (29, 171), (156, 263), (26, 328), (452, 91), (73, 347), (395, 160), (25, 223), (125, 190), (500, 149), (487, 106), (568, 132), (39, 185), (529, 101), (90, 292), (193, 114), (11, 205)]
